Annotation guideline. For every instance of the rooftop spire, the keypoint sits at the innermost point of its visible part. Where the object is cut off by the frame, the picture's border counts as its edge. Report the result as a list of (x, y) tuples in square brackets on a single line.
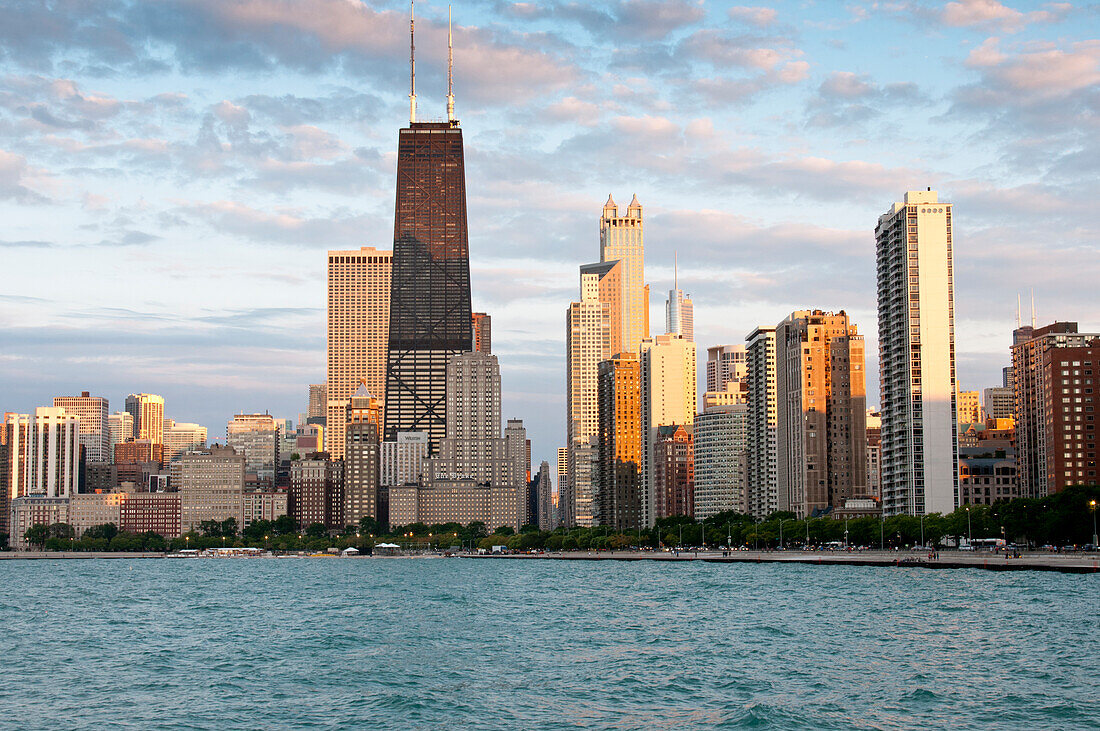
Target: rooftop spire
[(450, 70), (412, 61), (675, 267)]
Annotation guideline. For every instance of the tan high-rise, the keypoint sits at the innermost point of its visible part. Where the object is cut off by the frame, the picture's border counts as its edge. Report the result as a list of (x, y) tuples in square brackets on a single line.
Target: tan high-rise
[(358, 333), (822, 400), (148, 412), (621, 240)]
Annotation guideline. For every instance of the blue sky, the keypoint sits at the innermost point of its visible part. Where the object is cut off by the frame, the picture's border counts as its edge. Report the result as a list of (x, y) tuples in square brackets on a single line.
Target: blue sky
[(172, 173)]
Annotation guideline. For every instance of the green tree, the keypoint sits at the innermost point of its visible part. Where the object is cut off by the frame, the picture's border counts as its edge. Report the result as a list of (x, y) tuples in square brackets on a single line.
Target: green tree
[(3, 541), (63, 531), (505, 530), (229, 527), (369, 525), (285, 525), (37, 534), (107, 531), (316, 530)]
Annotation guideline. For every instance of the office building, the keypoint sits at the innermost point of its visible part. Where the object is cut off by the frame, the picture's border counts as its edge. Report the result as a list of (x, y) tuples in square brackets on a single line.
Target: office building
[(256, 436), (761, 477), (583, 473), (621, 240), (720, 443), (725, 364), (998, 403), (618, 478), (402, 459), (483, 332), (591, 326), (1056, 370), (916, 328), (139, 451), (430, 315), (736, 392), (120, 426), (679, 313), (30, 510), (821, 430), (987, 475), (95, 434), (211, 487), (459, 500), (181, 437), (547, 516), (318, 392), (263, 505), (968, 408), (361, 457), (668, 396), (358, 323), (5, 477), (874, 454), (317, 492), (147, 410), (674, 471), (44, 453)]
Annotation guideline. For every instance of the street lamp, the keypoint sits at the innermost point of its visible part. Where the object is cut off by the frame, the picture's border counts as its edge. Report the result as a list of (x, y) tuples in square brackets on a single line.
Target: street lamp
[(969, 537), (1095, 542)]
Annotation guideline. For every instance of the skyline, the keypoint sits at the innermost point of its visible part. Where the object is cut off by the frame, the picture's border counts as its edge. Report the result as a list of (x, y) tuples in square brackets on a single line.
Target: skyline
[(249, 177)]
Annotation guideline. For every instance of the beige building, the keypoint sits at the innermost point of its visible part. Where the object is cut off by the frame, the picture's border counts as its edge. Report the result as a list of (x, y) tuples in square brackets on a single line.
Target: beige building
[(31, 510), (821, 438), (968, 407), (621, 240), (181, 437), (402, 461), (358, 333), (998, 403), (211, 486), (725, 363), (361, 457), (267, 505), (95, 435), (459, 501), (735, 392), (668, 396), (88, 511), (147, 410), (256, 436)]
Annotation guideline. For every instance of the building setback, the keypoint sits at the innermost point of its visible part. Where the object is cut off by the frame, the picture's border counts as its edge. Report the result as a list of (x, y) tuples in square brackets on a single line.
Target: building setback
[(358, 324), (916, 328)]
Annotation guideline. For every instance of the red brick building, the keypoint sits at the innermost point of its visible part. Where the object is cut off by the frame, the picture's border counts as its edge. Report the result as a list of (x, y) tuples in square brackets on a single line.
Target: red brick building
[(151, 511), (674, 471)]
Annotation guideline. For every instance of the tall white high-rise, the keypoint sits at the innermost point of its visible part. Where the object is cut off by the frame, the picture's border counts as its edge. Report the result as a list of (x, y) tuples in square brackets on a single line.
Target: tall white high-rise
[(182, 437), (679, 311), (95, 435), (761, 477), (668, 396), (120, 426), (916, 328), (44, 453), (148, 412), (621, 240)]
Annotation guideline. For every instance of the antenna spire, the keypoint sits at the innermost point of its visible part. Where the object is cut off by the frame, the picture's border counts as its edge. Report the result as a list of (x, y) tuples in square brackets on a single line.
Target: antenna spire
[(450, 70), (412, 61), (1017, 310), (1032, 307), (675, 271)]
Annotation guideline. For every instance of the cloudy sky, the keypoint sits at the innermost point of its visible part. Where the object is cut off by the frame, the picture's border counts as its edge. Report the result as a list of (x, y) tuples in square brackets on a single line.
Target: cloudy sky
[(171, 174)]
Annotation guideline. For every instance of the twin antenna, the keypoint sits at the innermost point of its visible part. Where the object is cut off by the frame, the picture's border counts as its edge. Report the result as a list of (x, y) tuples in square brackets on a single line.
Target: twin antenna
[(412, 65)]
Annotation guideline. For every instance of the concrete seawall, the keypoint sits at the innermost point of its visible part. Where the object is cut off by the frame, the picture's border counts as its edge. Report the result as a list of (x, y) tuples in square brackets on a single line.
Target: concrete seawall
[(1070, 563)]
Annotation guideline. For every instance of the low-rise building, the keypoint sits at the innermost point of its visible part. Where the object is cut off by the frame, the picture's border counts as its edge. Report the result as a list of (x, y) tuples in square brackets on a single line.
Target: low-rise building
[(31, 510), (267, 505)]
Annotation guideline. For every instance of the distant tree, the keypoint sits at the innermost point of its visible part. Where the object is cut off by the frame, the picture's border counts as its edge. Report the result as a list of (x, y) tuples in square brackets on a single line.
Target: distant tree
[(62, 530), (476, 529), (107, 531), (37, 534), (3, 541), (316, 530), (285, 525), (369, 525), (505, 530), (529, 528), (211, 528), (569, 543)]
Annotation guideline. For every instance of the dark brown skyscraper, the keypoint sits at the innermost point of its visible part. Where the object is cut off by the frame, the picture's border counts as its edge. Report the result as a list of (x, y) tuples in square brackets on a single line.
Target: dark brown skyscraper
[(430, 314)]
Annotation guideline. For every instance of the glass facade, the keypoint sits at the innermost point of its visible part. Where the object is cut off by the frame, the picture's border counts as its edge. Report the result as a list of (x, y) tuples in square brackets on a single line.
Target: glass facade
[(430, 314)]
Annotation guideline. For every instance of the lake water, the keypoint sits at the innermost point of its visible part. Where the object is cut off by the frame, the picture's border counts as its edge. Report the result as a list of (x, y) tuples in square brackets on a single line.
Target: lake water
[(452, 643)]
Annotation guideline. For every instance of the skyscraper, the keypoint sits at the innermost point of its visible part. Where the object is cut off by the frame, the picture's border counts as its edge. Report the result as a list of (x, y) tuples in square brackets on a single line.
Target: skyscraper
[(1054, 370), (668, 397), (318, 392), (430, 314), (674, 471), (621, 240), (483, 332), (120, 425), (44, 453), (679, 312), (821, 433), (618, 492), (916, 328), (761, 484), (725, 363), (720, 444), (148, 412), (256, 437), (95, 435), (181, 437), (358, 336), (361, 457), (588, 341), (547, 519)]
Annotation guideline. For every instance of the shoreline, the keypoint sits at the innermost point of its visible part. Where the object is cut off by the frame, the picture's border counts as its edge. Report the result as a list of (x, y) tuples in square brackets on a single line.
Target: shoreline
[(1085, 564), (1070, 564)]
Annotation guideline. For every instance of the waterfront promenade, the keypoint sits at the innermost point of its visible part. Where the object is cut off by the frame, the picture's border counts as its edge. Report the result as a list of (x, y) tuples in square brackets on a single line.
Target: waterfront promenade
[(1075, 563)]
